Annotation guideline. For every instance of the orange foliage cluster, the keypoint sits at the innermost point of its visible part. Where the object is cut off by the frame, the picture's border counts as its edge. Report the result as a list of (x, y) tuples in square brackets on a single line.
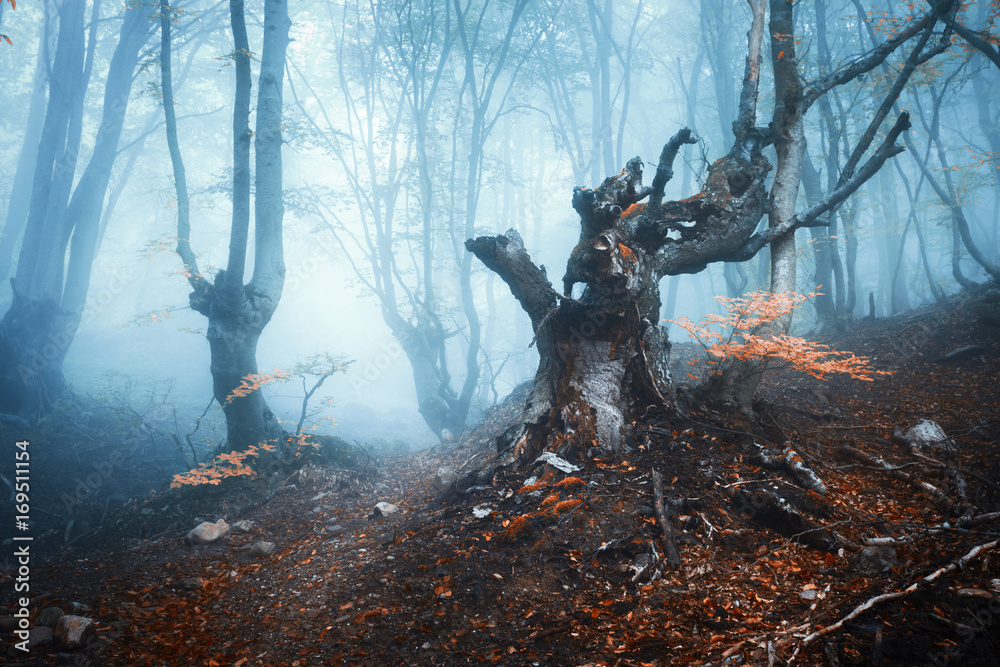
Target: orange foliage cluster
[(221, 467), (733, 335), (302, 440), (550, 499), (569, 482), (255, 381), (889, 24), (566, 505), (635, 208), (515, 528)]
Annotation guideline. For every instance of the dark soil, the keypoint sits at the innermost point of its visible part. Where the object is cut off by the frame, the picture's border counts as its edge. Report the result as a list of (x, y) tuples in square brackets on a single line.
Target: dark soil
[(568, 569)]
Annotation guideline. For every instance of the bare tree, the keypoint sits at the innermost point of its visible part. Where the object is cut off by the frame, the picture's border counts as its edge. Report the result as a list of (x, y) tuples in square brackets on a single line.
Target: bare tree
[(238, 311)]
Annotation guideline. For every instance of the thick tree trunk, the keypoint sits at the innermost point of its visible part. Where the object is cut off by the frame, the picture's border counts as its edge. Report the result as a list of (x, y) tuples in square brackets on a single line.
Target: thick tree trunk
[(592, 361), (424, 346), (238, 314), (39, 327), (30, 363), (233, 332), (603, 357)]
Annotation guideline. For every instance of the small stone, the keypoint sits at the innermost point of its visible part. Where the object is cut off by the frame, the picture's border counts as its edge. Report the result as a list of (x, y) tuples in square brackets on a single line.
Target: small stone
[(875, 559), (445, 478), (557, 462), (49, 616), (809, 595), (8, 624), (929, 434), (191, 584), (73, 631), (77, 608), (39, 635), (385, 509), (262, 549), (425, 645), (206, 533), (244, 526)]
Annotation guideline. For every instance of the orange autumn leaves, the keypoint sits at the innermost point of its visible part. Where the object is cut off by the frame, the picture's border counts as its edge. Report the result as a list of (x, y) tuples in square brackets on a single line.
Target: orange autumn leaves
[(235, 464), (255, 381), (222, 466), (734, 335)]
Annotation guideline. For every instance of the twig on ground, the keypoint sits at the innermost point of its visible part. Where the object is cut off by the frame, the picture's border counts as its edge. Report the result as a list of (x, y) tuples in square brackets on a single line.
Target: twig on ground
[(669, 548), (865, 606), (879, 464)]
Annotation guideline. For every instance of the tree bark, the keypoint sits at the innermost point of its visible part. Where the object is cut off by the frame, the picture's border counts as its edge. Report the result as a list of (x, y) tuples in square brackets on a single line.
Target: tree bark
[(38, 329), (20, 192), (603, 357), (237, 313), (734, 386)]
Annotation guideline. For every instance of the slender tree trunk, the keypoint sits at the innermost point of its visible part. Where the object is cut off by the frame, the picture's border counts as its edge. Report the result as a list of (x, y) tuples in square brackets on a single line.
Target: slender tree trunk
[(20, 192), (895, 291), (939, 295), (734, 387), (826, 311), (238, 313)]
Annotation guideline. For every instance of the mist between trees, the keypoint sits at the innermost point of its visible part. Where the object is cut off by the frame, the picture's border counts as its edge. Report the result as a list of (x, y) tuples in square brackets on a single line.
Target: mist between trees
[(206, 191)]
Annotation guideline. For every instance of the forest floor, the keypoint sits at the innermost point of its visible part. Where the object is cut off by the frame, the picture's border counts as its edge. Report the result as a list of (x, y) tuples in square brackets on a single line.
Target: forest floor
[(568, 569)]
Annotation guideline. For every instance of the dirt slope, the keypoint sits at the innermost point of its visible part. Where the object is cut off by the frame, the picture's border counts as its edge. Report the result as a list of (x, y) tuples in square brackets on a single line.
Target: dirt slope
[(567, 568)]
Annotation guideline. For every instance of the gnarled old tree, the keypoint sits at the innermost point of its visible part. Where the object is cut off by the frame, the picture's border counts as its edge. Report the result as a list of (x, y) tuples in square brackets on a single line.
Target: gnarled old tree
[(603, 356), (237, 313)]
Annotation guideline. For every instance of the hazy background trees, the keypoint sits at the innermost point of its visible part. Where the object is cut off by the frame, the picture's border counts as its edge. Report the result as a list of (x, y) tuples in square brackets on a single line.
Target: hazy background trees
[(409, 126)]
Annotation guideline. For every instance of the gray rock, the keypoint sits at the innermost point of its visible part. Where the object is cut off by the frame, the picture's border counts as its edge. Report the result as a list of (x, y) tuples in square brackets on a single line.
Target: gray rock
[(385, 509), (39, 635), (8, 624), (809, 595), (244, 526), (206, 532), (190, 584), (77, 608), (927, 434), (445, 478), (49, 616), (875, 559), (73, 631), (262, 549)]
